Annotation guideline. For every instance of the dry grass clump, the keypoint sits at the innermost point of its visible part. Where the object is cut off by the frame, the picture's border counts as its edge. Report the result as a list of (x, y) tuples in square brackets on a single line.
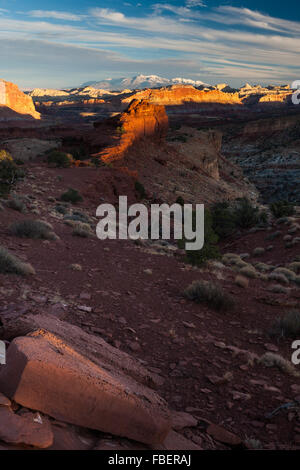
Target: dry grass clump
[(279, 277), (76, 267), (10, 264), (209, 293), (295, 267), (270, 359), (80, 229), (249, 271), (278, 289), (17, 204), (290, 275), (258, 251), (36, 229), (263, 267), (242, 281)]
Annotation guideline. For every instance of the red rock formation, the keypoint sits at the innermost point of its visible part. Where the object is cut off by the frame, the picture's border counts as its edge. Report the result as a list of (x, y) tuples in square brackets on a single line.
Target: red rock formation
[(11, 97), (141, 119), (179, 95)]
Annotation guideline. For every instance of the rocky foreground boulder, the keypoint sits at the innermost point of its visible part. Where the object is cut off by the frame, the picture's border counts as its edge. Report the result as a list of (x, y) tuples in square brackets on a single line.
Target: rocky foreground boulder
[(79, 379), (14, 104)]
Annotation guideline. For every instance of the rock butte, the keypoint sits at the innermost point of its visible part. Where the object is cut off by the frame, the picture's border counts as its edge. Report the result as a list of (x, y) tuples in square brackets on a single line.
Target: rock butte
[(14, 99), (141, 119)]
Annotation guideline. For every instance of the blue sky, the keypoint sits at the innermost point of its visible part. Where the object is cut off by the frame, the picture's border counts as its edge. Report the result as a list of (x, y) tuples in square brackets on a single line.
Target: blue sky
[(68, 42)]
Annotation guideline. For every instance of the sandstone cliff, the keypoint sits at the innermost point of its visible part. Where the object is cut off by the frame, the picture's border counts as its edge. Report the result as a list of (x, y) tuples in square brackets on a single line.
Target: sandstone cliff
[(179, 95), (12, 101)]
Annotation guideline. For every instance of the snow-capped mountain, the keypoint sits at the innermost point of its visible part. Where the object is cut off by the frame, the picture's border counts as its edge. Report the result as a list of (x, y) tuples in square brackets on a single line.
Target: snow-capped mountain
[(140, 82)]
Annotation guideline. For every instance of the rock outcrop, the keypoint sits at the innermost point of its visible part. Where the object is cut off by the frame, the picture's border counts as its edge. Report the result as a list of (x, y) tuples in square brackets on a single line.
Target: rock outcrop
[(86, 383), (141, 120), (14, 103), (180, 95)]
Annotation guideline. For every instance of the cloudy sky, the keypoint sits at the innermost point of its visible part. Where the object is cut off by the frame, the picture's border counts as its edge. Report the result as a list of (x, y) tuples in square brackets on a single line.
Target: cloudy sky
[(65, 43)]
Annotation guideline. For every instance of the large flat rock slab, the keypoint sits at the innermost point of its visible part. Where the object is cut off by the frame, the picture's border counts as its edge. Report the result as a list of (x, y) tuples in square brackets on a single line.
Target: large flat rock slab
[(45, 373), (90, 346)]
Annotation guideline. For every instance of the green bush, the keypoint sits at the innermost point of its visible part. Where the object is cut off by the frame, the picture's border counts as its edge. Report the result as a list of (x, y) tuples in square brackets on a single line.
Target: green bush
[(287, 326), (71, 195), (210, 249), (59, 159), (10, 173), (10, 264), (282, 209), (32, 229), (223, 219), (246, 215), (209, 293)]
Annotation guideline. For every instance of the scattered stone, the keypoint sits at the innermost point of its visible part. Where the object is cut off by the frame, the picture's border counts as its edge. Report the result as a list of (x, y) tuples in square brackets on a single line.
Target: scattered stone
[(222, 435), (15, 429), (181, 420), (4, 401)]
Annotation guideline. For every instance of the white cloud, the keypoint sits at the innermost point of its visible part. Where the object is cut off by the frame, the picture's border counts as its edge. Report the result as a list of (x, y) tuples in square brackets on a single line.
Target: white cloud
[(57, 15), (195, 3), (189, 44)]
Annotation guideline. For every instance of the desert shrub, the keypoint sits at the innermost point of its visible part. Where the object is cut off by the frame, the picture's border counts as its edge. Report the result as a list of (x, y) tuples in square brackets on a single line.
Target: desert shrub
[(278, 289), (80, 153), (279, 277), (290, 275), (223, 219), (81, 229), (227, 219), (5, 155), (32, 229), (258, 251), (139, 187), (59, 159), (10, 173), (75, 267), (282, 209), (61, 209), (10, 264), (249, 271), (209, 293), (17, 204), (246, 215), (96, 162), (295, 267), (71, 195), (77, 216), (270, 359), (210, 249)]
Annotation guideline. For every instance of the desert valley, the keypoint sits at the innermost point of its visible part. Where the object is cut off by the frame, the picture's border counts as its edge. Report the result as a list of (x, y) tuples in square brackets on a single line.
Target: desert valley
[(138, 344)]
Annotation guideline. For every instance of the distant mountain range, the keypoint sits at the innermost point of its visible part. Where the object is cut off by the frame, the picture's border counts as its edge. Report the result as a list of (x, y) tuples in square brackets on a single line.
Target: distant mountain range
[(140, 82)]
